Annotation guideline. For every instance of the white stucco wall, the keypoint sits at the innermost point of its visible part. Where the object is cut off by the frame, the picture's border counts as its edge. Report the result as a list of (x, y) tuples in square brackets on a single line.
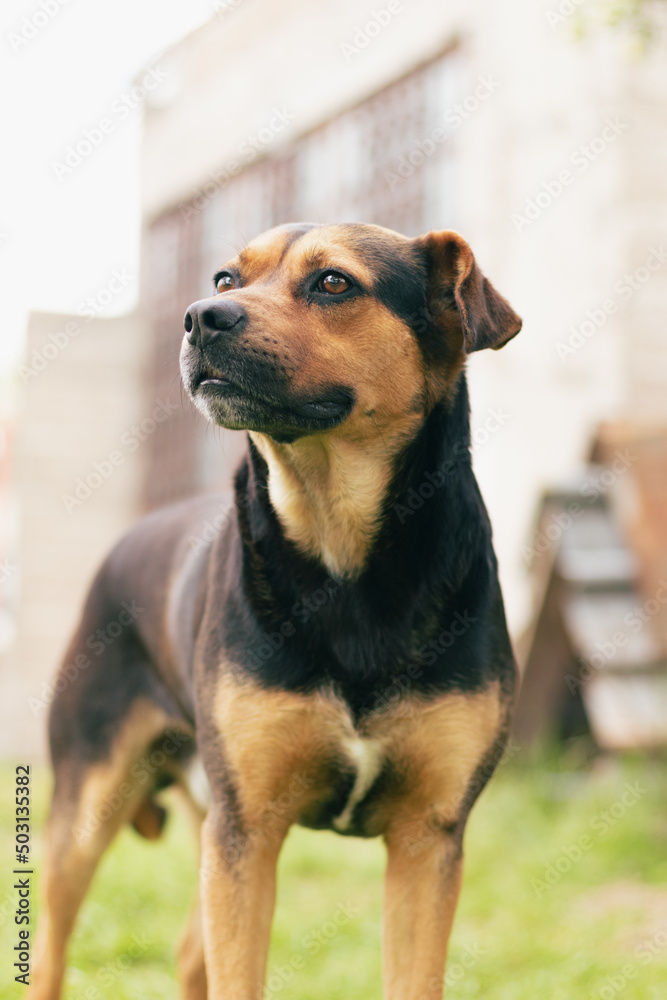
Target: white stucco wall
[(554, 95), (78, 474)]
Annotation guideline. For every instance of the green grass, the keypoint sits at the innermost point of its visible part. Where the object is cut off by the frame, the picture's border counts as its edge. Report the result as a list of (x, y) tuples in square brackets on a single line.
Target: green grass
[(516, 937)]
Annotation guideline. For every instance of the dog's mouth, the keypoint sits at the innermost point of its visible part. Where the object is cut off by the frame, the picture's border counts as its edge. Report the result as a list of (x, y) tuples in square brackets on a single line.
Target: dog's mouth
[(242, 404), (212, 380)]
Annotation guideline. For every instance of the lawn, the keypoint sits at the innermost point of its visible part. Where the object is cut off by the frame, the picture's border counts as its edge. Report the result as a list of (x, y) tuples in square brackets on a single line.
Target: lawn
[(565, 897)]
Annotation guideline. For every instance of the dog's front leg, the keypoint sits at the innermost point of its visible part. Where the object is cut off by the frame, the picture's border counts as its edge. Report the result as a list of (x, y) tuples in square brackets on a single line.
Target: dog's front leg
[(238, 885), (268, 766), (422, 885)]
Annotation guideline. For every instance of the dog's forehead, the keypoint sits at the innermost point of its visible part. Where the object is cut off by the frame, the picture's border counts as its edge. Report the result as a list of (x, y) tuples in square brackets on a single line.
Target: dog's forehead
[(265, 254), (370, 251)]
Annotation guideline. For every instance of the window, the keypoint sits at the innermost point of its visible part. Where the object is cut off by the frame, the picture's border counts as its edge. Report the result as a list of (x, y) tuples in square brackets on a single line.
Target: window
[(388, 161)]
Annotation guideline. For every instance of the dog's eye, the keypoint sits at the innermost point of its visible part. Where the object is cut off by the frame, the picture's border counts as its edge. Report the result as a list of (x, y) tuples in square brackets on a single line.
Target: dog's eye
[(225, 283), (334, 283)]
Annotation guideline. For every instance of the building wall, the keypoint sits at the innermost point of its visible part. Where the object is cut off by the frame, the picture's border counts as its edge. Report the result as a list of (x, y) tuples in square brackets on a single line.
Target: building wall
[(83, 418), (559, 260), (227, 79)]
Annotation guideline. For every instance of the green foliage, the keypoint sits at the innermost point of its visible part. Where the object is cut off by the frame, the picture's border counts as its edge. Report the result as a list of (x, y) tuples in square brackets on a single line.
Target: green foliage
[(638, 19)]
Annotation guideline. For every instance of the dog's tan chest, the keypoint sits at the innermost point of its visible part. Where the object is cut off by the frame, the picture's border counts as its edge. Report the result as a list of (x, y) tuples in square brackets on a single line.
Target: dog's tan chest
[(328, 494), (410, 758)]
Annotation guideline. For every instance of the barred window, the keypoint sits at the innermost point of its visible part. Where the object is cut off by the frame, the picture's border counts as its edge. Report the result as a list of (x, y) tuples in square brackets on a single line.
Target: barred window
[(380, 162), (391, 160)]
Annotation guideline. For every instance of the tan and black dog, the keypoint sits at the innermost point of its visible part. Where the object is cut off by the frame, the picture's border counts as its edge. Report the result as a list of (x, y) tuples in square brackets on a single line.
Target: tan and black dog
[(339, 649)]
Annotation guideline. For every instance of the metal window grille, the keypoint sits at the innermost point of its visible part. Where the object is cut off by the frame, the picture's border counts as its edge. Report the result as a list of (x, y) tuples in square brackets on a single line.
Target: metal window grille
[(377, 163)]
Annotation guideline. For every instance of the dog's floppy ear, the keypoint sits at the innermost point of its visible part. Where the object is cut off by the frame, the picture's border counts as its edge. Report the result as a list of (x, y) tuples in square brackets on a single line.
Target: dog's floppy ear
[(461, 299)]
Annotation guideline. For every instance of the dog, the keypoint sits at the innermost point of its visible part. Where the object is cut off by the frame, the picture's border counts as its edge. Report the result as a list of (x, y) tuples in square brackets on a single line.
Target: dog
[(336, 654)]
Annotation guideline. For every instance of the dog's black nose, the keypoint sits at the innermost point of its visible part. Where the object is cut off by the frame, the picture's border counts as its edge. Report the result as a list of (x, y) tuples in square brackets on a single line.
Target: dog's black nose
[(205, 321)]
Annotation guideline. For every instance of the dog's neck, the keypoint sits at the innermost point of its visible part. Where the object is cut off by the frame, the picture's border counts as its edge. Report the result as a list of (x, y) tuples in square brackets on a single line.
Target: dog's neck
[(329, 490)]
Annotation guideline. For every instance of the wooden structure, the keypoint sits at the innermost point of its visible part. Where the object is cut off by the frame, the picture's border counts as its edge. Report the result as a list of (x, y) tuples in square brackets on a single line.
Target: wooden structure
[(595, 655)]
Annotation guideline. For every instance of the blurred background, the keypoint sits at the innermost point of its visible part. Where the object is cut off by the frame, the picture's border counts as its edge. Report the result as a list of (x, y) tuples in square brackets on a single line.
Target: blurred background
[(154, 141), (151, 141)]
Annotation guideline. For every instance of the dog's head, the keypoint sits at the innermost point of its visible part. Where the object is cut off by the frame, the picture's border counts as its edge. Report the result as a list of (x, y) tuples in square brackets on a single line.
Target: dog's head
[(312, 328)]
